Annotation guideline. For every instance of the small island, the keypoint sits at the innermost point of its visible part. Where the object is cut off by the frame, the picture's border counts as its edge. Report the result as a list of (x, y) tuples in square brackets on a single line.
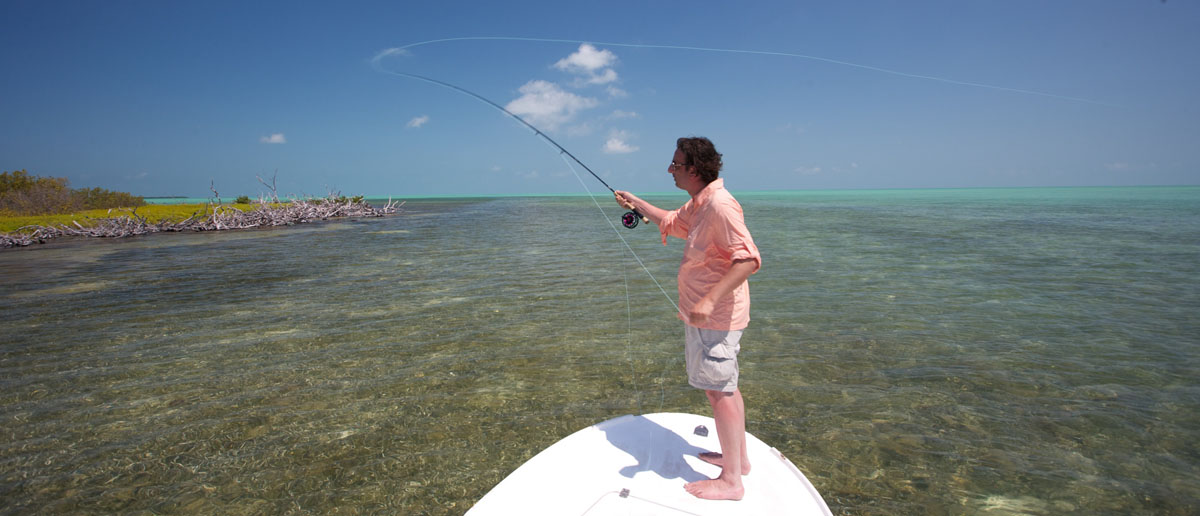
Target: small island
[(34, 210)]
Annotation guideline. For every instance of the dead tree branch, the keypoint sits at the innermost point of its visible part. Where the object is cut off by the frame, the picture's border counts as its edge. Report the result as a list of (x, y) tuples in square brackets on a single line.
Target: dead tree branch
[(296, 211)]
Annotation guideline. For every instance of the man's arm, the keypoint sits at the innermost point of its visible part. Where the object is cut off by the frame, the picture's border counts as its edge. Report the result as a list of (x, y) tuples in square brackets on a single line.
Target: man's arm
[(738, 273), (633, 202)]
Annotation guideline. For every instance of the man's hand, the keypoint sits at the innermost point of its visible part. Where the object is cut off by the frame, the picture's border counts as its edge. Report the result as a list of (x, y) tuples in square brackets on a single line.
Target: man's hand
[(737, 274), (633, 202), (702, 311), (623, 199)]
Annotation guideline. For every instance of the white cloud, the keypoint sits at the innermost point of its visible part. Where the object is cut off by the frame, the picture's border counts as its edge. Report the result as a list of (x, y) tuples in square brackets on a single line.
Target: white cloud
[(619, 114), (418, 121), (618, 146), (808, 171), (591, 65), (274, 138), (546, 105), (586, 60), (605, 77), (617, 93), (617, 143)]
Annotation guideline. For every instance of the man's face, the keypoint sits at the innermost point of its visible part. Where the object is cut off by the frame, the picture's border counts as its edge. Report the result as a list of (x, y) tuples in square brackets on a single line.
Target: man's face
[(679, 171)]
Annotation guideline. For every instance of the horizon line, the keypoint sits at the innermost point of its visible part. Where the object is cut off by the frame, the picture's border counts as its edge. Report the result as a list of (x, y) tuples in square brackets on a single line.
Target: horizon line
[(739, 191)]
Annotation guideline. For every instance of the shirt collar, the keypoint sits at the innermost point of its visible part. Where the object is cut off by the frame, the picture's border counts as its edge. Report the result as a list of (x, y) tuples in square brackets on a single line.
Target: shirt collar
[(707, 192)]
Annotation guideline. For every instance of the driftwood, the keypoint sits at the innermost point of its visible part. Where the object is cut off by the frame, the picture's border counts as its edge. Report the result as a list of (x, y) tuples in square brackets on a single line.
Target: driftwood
[(296, 211)]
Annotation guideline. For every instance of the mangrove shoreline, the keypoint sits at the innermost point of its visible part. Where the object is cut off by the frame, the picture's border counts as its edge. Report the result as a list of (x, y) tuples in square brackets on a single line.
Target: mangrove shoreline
[(211, 217)]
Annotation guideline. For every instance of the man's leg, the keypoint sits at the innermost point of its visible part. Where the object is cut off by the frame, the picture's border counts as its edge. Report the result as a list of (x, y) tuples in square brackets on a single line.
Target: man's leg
[(729, 414), (717, 458)]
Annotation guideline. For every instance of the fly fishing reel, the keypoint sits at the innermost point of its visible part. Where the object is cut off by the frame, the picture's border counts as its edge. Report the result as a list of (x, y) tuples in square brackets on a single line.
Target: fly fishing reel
[(630, 219)]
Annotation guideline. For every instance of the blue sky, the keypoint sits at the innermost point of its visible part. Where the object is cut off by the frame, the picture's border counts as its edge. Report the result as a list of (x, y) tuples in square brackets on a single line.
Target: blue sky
[(164, 98)]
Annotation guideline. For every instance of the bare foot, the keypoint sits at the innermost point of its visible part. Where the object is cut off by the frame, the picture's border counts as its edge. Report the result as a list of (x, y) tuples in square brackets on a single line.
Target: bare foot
[(717, 459), (715, 489)]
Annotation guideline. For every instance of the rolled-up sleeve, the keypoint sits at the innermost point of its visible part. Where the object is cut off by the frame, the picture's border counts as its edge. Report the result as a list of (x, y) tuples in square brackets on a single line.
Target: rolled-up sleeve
[(734, 236), (672, 225)]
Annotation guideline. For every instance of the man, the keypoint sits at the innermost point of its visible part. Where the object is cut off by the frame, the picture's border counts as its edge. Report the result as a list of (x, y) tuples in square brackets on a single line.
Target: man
[(714, 299)]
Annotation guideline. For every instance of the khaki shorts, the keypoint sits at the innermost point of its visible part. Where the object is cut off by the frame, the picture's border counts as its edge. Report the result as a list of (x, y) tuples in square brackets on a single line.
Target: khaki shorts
[(711, 357)]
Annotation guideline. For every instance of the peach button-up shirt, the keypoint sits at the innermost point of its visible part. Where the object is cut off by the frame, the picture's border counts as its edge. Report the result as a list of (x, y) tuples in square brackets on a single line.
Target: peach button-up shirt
[(716, 235)]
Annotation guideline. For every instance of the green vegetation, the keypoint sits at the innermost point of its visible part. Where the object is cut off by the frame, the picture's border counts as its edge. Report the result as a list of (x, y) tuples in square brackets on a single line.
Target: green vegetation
[(29, 202), (340, 199), (23, 195), (153, 213)]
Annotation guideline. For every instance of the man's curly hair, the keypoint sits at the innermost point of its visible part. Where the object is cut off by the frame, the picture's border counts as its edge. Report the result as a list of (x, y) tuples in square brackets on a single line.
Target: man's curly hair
[(700, 152)]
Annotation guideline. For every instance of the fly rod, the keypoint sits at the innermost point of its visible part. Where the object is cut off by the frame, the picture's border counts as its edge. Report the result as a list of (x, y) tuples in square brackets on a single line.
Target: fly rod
[(630, 219)]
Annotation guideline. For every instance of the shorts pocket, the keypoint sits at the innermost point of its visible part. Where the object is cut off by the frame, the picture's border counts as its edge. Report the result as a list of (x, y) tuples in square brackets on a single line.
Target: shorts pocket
[(720, 345), (715, 373), (719, 351)]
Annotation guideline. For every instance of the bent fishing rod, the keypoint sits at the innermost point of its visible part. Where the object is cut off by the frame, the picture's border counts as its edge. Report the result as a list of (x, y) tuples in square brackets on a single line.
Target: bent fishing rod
[(630, 219)]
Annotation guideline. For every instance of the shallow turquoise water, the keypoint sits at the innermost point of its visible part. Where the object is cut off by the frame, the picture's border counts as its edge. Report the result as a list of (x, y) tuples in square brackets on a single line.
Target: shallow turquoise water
[(996, 351)]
